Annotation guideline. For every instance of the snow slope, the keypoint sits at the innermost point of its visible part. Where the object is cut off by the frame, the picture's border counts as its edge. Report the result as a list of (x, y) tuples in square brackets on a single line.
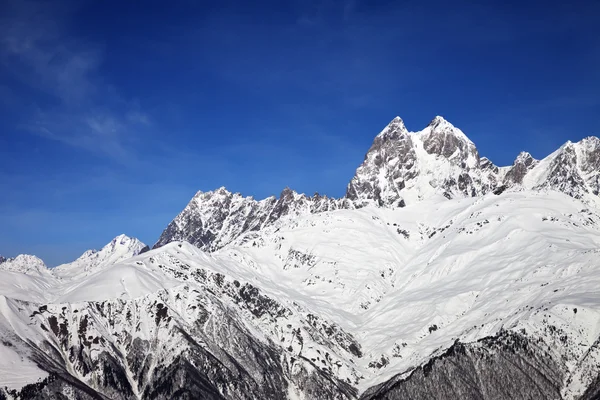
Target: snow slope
[(379, 290), (408, 282), (120, 248)]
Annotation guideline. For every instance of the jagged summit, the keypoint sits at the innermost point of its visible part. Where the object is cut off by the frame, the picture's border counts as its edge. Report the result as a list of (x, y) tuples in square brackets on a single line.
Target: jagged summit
[(403, 167), (400, 168), (521, 166), (393, 130), (211, 220)]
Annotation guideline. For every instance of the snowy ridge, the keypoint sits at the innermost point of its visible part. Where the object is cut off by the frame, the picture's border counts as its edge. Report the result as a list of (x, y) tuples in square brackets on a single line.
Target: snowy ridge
[(120, 248), (213, 219)]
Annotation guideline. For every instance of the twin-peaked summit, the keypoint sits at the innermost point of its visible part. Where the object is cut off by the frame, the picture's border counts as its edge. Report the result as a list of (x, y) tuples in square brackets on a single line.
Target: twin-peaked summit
[(400, 168)]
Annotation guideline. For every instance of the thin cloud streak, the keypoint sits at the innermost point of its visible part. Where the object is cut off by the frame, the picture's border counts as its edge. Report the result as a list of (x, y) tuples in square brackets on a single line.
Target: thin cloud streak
[(84, 111)]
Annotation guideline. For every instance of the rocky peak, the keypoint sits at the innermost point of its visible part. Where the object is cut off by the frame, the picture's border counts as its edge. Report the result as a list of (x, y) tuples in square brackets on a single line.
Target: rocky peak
[(442, 138), (521, 166), (394, 130), (487, 165), (212, 220), (2, 259), (24, 263), (287, 194), (403, 167), (400, 168), (525, 158), (388, 163), (565, 171)]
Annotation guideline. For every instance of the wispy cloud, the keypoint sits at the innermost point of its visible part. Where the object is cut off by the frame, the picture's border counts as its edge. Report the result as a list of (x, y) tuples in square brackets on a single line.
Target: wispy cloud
[(82, 110)]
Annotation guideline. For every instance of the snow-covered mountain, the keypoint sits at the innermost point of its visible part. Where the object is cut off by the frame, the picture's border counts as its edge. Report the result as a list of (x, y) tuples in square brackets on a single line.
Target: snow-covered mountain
[(439, 275), (24, 263), (400, 168), (573, 169), (213, 219), (403, 167), (331, 305), (120, 248)]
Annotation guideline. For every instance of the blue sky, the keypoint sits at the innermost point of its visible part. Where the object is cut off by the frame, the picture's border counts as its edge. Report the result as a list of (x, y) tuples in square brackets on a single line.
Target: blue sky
[(113, 114)]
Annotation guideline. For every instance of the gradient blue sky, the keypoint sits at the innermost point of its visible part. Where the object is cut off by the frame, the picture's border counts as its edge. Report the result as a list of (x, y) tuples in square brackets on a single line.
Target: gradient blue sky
[(113, 114)]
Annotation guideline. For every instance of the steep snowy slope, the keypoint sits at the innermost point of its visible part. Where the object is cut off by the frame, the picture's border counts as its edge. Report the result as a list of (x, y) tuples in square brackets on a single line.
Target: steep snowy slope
[(332, 304), (439, 275), (440, 271), (165, 324), (25, 277)]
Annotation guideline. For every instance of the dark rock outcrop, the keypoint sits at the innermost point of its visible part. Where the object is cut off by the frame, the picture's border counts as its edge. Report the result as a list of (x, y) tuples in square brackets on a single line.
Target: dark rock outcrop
[(508, 366)]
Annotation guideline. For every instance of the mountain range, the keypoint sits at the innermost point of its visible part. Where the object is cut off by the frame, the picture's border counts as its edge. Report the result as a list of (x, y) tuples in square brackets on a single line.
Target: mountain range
[(438, 275)]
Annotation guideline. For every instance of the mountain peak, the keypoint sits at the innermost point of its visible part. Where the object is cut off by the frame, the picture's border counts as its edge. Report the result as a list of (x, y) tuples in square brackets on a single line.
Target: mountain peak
[(122, 238), (221, 191), (439, 120), (394, 129), (120, 248), (441, 127), (400, 168), (525, 158), (122, 241), (25, 263)]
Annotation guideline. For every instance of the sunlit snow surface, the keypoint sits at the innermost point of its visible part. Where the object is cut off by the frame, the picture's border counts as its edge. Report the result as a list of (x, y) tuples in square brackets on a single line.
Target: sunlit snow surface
[(405, 283)]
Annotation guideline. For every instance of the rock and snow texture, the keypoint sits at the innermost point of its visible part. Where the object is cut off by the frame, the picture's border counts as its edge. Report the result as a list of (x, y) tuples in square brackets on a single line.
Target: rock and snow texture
[(400, 168), (213, 219), (333, 305), (438, 275)]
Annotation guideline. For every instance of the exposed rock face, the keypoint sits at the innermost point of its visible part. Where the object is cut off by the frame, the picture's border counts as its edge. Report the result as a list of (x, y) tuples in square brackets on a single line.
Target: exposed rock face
[(593, 391), (507, 367), (392, 153), (573, 169), (212, 220), (404, 167), (522, 165), (400, 168), (178, 343)]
